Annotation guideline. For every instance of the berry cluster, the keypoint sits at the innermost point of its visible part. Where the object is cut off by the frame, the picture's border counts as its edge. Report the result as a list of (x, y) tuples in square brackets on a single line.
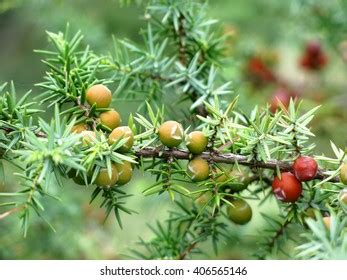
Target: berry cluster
[(100, 97), (288, 187), (171, 134)]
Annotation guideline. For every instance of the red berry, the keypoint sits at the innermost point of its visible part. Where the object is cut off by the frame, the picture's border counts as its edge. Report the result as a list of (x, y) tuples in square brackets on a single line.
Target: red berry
[(288, 188), (259, 72), (314, 57), (305, 168), (313, 48)]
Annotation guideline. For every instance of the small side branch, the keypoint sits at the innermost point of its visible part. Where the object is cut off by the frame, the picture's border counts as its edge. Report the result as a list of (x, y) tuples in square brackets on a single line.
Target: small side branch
[(10, 212)]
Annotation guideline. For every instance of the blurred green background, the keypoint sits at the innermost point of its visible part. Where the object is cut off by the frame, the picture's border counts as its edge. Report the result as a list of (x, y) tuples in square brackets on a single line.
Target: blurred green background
[(275, 31)]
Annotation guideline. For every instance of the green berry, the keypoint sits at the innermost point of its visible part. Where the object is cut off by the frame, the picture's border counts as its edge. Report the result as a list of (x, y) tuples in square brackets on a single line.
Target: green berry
[(125, 172), (103, 179), (198, 169), (343, 174), (171, 134), (240, 212), (196, 142)]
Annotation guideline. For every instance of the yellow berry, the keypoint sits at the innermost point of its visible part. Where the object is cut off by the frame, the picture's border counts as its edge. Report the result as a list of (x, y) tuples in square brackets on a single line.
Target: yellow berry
[(103, 179), (198, 169), (78, 128), (196, 142), (327, 222), (111, 119), (122, 132), (99, 95), (125, 172), (171, 134)]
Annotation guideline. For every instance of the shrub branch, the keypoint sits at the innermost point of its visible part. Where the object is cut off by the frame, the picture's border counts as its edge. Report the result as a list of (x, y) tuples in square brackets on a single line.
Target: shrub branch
[(229, 158)]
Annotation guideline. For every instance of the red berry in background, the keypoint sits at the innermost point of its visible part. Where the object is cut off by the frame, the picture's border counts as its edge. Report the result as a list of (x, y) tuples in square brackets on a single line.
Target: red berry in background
[(305, 168), (258, 72), (314, 57), (288, 188), (282, 96), (313, 48)]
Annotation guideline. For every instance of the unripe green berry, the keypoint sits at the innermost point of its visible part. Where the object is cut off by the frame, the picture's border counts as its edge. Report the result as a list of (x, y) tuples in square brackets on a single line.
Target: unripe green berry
[(196, 142), (240, 212), (171, 134), (122, 132), (198, 169), (125, 172), (99, 95), (343, 174), (104, 180)]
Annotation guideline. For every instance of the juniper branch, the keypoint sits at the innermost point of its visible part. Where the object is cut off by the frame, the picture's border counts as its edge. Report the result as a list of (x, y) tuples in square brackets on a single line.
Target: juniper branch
[(228, 158)]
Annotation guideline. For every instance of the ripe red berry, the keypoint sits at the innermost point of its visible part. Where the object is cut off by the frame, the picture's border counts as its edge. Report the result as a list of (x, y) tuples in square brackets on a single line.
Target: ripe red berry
[(305, 168), (288, 188), (259, 72), (314, 57)]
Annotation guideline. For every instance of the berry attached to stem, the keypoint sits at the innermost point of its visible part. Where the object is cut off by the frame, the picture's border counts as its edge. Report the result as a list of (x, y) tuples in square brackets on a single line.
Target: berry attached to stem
[(288, 188), (305, 168), (122, 132), (171, 134), (198, 169), (78, 128), (196, 142), (104, 180), (125, 172), (111, 119), (99, 95)]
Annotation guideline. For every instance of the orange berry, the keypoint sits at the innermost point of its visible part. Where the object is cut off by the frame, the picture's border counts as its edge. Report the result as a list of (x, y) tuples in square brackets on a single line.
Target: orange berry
[(111, 119), (78, 128), (99, 95)]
